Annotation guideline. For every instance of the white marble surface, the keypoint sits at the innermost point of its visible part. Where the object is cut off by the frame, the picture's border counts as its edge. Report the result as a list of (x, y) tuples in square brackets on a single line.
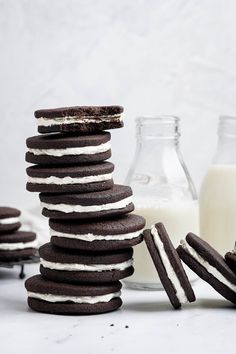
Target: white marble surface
[(206, 326), (153, 57)]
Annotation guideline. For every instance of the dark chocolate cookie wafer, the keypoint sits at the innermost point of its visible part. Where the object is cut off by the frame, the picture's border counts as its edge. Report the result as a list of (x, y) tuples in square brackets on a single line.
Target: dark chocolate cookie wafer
[(113, 202), (83, 119), (63, 265), (9, 219), (64, 149), (168, 266), (209, 265), (98, 235), (66, 179), (68, 299), (17, 245), (230, 259)]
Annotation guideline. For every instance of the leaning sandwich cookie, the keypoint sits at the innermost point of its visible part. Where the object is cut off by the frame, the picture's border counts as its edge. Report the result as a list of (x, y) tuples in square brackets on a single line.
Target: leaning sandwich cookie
[(69, 299), (168, 266), (209, 265), (81, 119)]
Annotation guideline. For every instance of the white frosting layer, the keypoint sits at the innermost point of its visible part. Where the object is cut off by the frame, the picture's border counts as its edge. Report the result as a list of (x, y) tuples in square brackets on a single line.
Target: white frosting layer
[(86, 267), (68, 208), (75, 299), (18, 245), (180, 293), (9, 221), (212, 270), (47, 122), (91, 237), (88, 150), (69, 180)]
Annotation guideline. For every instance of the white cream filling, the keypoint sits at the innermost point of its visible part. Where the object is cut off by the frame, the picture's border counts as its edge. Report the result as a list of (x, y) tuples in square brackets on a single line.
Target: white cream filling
[(18, 245), (69, 180), (46, 122), (86, 267), (88, 150), (180, 293), (91, 237), (68, 208), (75, 299), (9, 221), (212, 270)]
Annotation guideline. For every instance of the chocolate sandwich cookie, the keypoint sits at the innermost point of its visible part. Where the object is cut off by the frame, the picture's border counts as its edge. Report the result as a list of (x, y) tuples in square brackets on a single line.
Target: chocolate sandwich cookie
[(9, 219), (68, 299), (209, 265), (68, 149), (17, 245), (168, 266), (230, 259), (66, 179), (81, 119), (98, 235), (73, 266), (113, 202)]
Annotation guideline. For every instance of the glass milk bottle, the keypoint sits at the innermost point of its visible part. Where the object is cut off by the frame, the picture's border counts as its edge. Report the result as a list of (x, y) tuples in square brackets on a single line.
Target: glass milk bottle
[(163, 191), (218, 192)]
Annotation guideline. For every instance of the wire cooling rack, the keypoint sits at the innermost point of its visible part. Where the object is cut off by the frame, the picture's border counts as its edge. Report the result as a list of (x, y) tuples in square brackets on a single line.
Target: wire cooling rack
[(20, 263)]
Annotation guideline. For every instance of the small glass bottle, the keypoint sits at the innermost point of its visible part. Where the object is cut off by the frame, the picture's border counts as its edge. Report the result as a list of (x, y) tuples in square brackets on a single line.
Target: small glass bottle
[(163, 191), (217, 200)]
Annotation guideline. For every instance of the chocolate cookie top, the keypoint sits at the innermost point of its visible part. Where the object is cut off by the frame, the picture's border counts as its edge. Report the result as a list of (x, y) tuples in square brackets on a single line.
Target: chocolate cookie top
[(60, 141), (82, 119), (116, 226), (51, 253), (7, 212), (168, 266), (37, 284), (115, 194), (71, 171), (78, 111), (18, 236)]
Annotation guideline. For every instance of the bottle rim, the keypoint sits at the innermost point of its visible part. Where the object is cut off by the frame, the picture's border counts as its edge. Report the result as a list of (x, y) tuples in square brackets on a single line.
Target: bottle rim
[(227, 126), (157, 119), (158, 127)]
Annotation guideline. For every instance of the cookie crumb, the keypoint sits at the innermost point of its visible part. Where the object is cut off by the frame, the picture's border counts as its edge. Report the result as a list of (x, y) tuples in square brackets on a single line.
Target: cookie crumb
[(112, 325), (126, 326)]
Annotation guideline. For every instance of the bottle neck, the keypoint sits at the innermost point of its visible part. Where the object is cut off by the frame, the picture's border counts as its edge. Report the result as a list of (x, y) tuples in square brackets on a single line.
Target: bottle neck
[(158, 132)]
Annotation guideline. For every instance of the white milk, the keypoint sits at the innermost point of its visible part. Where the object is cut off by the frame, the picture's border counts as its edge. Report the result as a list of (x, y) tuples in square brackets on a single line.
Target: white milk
[(179, 218), (218, 207)]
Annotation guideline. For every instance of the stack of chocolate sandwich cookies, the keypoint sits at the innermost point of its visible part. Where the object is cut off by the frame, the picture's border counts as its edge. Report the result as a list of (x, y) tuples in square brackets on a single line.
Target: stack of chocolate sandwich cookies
[(15, 245), (92, 232)]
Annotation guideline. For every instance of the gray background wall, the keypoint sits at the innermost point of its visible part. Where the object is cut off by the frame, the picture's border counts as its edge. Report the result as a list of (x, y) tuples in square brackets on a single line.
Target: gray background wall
[(154, 57)]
